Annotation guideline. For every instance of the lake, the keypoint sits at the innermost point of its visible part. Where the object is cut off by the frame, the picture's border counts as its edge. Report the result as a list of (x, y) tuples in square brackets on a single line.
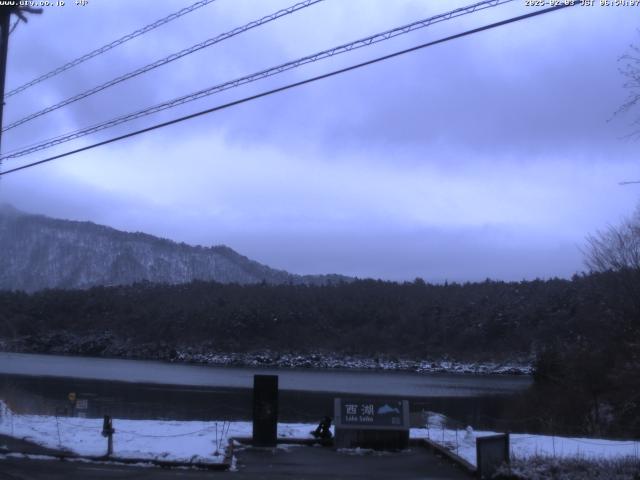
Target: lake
[(41, 384)]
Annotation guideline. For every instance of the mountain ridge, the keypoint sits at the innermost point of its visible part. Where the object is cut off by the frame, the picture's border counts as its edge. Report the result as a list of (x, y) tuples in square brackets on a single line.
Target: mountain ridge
[(39, 252)]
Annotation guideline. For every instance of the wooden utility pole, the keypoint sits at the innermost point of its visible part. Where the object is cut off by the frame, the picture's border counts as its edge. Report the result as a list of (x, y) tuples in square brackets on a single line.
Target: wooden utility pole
[(5, 17), (5, 26)]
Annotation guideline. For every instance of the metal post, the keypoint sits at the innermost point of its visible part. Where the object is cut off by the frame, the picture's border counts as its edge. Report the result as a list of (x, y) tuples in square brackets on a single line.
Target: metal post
[(456, 439), (108, 431)]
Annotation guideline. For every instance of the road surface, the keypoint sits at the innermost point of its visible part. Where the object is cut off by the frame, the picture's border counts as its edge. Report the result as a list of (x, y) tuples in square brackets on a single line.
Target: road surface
[(295, 462)]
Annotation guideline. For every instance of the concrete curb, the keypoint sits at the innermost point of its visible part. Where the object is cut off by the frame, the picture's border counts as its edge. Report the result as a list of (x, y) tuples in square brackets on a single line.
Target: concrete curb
[(62, 456), (293, 441), (448, 454), (228, 455)]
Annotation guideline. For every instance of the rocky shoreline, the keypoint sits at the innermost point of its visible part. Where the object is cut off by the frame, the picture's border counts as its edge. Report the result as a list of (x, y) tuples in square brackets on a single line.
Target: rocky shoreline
[(105, 345), (334, 361)]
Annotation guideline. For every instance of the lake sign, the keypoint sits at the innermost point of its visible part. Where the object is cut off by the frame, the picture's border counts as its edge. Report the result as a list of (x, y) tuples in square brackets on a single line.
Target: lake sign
[(371, 423)]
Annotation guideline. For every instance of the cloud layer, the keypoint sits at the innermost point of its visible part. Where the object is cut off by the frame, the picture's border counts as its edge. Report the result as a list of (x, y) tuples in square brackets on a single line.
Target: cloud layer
[(489, 156)]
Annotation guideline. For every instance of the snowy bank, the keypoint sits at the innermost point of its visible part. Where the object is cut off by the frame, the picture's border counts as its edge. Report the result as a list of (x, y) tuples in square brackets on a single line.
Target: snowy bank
[(462, 442), (335, 361), (167, 440)]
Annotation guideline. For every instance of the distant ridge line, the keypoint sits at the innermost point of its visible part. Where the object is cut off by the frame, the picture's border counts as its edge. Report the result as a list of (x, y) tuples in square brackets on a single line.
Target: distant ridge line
[(38, 252)]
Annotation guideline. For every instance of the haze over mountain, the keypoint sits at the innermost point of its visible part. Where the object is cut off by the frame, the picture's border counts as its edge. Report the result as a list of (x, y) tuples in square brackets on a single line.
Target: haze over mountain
[(38, 252)]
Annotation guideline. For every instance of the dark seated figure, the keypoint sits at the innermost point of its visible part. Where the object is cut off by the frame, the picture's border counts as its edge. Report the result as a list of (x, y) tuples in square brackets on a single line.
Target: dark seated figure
[(323, 431)]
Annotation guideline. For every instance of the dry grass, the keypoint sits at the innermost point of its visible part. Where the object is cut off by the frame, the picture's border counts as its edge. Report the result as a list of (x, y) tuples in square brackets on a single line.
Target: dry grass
[(575, 468)]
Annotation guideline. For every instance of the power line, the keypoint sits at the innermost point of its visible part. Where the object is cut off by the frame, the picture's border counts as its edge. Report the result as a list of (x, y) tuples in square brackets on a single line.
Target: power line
[(292, 85), (8, 9), (109, 46), (13, 27), (347, 47), (164, 61)]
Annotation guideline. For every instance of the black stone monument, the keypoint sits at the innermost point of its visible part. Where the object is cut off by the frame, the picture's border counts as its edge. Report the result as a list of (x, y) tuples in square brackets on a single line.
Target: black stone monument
[(265, 410)]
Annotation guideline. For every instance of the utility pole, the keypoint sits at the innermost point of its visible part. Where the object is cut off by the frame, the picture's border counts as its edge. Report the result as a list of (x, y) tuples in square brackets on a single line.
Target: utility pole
[(5, 18), (5, 26)]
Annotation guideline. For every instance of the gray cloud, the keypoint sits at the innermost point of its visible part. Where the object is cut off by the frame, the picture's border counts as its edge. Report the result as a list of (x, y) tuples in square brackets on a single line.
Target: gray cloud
[(489, 156)]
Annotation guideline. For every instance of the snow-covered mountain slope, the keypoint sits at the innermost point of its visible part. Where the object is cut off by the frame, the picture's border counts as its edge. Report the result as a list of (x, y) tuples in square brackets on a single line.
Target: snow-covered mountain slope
[(38, 252)]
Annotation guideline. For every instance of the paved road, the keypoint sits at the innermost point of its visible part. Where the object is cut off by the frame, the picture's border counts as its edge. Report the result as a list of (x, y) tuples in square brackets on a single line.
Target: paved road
[(299, 463), (315, 463)]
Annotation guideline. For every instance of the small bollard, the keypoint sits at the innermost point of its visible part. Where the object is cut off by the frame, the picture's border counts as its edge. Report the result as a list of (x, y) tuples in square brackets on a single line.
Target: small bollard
[(108, 431)]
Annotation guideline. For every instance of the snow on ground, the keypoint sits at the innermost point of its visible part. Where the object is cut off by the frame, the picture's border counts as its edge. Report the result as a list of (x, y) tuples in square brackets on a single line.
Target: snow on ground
[(195, 441), (185, 441), (463, 443)]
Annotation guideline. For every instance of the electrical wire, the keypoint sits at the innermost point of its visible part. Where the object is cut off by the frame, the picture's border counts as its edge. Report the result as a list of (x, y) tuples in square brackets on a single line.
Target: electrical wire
[(164, 61), (109, 46), (292, 85), (363, 42), (15, 24)]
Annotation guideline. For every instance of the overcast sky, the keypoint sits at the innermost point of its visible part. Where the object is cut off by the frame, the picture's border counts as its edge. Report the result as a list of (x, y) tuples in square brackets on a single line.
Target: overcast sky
[(492, 156)]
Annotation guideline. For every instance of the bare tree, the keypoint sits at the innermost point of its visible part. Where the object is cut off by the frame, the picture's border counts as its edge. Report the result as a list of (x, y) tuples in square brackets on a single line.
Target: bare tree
[(615, 255), (617, 248), (630, 70)]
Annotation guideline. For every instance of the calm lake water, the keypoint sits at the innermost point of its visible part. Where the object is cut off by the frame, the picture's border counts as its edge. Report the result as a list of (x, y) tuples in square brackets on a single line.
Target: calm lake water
[(148, 389)]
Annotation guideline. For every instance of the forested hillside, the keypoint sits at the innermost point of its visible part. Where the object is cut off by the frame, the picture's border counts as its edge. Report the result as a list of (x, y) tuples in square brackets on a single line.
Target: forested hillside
[(467, 321), (38, 252)]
